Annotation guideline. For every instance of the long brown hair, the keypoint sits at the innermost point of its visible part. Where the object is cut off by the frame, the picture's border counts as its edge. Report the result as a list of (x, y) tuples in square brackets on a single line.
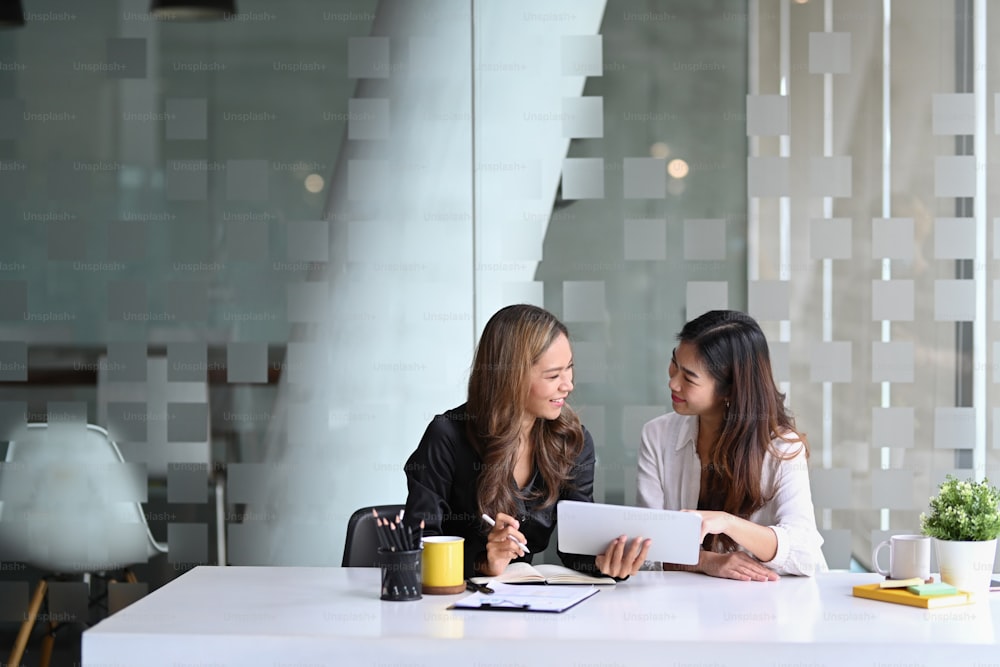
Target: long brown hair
[(499, 384), (734, 351)]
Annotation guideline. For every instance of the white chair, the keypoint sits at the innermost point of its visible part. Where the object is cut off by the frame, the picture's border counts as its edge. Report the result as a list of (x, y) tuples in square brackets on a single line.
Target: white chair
[(156, 450), (70, 505)]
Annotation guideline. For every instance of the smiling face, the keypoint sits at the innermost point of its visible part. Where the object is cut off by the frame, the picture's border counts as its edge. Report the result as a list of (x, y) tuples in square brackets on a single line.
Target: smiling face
[(692, 387), (551, 381)]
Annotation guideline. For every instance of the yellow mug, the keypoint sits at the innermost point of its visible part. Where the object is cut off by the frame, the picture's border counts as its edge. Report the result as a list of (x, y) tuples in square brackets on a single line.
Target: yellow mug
[(443, 565)]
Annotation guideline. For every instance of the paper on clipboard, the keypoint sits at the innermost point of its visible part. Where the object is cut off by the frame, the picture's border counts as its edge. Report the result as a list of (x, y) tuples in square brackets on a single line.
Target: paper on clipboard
[(510, 597)]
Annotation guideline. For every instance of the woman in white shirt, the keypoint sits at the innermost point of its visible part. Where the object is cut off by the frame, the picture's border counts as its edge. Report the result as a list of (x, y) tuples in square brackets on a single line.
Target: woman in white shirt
[(730, 451)]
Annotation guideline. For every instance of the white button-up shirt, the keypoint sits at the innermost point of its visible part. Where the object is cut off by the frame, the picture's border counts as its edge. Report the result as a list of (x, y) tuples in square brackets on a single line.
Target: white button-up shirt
[(670, 478)]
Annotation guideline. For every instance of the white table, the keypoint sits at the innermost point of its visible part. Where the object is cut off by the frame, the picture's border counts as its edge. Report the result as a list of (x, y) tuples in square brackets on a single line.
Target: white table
[(297, 616)]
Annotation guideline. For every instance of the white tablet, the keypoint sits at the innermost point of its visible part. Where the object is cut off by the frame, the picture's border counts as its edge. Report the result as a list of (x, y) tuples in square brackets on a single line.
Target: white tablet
[(588, 528)]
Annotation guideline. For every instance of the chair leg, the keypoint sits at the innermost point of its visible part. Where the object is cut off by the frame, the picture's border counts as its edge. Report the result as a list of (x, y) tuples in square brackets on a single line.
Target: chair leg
[(29, 622), (48, 642), (220, 520)]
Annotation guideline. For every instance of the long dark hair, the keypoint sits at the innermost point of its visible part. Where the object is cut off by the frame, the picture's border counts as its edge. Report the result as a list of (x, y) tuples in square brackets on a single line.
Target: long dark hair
[(734, 351), (499, 384)]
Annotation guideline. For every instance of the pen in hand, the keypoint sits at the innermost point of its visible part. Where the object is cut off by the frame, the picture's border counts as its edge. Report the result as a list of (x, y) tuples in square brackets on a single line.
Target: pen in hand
[(489, 520)]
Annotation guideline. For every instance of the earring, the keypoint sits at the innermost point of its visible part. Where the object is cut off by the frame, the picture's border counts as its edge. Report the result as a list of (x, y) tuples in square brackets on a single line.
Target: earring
[(726, 415)]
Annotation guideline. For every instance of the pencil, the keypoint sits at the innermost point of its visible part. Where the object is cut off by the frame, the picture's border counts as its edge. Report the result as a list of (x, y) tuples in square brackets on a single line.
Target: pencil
[(411, 533), (404, 542), (389, 541), (395, 534), (378, 531)]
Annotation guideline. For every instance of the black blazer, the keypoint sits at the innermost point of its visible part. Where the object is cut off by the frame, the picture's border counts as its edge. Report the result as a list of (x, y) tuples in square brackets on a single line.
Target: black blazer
[(441, 477)]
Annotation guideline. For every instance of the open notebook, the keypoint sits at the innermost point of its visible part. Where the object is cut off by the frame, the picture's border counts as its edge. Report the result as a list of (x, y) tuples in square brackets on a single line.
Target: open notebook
[(523, 573)]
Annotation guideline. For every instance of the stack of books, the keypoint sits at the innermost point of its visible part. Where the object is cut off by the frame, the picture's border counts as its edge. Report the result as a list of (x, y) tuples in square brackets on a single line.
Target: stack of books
[(914, 592)]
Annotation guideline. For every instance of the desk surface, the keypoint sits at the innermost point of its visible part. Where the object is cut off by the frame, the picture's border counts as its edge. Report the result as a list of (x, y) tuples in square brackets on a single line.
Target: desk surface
[(296, 616)]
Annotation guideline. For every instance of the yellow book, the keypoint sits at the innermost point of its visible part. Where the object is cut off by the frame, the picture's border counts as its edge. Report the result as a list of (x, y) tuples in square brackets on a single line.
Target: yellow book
[(903, 596)]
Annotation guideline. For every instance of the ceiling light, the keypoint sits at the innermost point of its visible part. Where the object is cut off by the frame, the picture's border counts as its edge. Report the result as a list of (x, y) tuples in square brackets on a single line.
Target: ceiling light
[(193, 10), (314, 183), (11, 14), (659, 150), (678, 168)]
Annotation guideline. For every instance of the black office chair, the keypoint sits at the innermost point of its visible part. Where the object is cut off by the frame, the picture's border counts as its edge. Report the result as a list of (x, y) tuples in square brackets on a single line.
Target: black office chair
[(361, 545)]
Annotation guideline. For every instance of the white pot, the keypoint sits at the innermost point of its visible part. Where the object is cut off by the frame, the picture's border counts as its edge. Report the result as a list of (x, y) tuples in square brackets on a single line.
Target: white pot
[(968, 566)]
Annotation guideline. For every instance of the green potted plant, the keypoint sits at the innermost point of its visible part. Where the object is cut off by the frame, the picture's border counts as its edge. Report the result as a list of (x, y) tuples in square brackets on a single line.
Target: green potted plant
[(964, 520)]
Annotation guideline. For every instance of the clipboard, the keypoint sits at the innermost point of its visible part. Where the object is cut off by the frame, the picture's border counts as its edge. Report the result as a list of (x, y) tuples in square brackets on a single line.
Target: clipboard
[(510, 597)]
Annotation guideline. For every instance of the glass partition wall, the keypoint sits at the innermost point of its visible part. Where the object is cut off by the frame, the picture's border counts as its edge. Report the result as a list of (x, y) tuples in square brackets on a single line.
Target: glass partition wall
[(568, 162), (871, 126), (310, 213)]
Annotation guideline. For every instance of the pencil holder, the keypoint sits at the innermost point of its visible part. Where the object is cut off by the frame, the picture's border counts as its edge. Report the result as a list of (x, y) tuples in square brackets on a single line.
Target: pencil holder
[(400, 574)]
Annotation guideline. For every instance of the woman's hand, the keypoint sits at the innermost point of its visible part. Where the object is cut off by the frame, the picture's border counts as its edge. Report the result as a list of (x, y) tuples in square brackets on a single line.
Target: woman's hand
[(712, 522), (500, 549), (761, 541), (734, 565), (621, 560)]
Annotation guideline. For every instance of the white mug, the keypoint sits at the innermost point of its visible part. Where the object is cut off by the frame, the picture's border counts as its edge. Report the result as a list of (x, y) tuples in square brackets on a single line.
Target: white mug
[(909, 556)]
